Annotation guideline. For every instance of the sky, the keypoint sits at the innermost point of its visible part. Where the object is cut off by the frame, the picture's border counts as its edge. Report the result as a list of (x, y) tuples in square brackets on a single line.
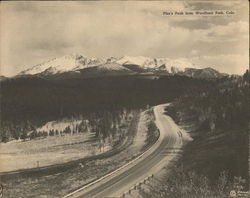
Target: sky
[(33, 32)]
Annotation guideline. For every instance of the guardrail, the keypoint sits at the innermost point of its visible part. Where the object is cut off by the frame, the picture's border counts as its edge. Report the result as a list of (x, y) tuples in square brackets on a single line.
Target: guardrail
[(136, 186), (109, 174)]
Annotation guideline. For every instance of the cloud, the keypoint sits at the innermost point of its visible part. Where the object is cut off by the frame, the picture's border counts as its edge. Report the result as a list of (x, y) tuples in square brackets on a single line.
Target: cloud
[(232, 64), (191, 24), (232, 31), (216, 5), (240, 8), (33, 32)]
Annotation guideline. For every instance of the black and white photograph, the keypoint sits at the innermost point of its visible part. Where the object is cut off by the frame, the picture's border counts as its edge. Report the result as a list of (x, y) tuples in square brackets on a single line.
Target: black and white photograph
[(124, 99)]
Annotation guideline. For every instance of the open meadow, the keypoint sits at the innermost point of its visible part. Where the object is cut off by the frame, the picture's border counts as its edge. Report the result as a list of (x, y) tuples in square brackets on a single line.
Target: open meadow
[(57, 149)]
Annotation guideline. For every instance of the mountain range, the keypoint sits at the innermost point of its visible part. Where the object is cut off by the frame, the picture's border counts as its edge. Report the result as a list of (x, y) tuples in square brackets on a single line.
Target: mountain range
[(76, 65)]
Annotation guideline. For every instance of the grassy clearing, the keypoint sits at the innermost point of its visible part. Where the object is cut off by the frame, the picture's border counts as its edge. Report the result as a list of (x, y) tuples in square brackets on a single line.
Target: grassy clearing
[(57, 185), (47, 151), (66, 139)]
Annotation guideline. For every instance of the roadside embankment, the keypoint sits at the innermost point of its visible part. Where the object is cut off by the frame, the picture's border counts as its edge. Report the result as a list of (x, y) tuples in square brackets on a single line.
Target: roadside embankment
[(212, 152)]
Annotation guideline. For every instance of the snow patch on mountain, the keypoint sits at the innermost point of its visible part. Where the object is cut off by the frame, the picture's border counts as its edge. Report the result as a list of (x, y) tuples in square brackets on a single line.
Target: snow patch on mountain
[(76, 62), (136, 60), (111, 60), (113, 67), (63, 64), (175, 65), (170, 65)]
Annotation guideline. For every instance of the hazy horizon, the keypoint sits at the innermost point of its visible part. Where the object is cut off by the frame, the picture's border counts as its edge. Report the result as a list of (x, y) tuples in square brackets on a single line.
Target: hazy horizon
[(34, 32)]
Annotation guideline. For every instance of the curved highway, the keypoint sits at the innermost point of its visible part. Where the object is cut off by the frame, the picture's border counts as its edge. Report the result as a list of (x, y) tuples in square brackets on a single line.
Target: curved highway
[(150, 163)]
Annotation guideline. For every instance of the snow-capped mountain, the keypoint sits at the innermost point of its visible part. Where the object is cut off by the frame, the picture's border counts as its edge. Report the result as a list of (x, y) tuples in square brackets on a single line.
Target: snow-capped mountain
[(81, 66), (107, 69), (112, 66), (137, 60), (167, 64), (63, 64), (111, 60)]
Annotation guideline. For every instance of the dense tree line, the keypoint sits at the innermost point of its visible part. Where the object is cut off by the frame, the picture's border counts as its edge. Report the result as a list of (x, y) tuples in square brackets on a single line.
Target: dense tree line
[(202, 171), (105, 124), (222, 107), (218, 119), (30, 102), (36, 98)]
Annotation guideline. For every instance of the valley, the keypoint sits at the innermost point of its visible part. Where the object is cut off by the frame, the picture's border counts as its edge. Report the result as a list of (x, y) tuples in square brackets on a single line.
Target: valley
[(124, 99), (99, 118)]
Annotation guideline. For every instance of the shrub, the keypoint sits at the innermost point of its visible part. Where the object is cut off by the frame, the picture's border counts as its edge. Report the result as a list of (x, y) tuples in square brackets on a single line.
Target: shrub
[(189, 184)]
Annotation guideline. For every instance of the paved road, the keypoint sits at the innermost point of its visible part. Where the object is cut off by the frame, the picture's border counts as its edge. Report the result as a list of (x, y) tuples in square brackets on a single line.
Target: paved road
[(153, 161)]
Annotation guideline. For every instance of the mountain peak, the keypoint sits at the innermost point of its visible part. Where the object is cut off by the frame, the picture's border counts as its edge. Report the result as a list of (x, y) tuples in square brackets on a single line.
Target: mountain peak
[(76, 62), (70, 62), (207, 73), (136, 60)]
